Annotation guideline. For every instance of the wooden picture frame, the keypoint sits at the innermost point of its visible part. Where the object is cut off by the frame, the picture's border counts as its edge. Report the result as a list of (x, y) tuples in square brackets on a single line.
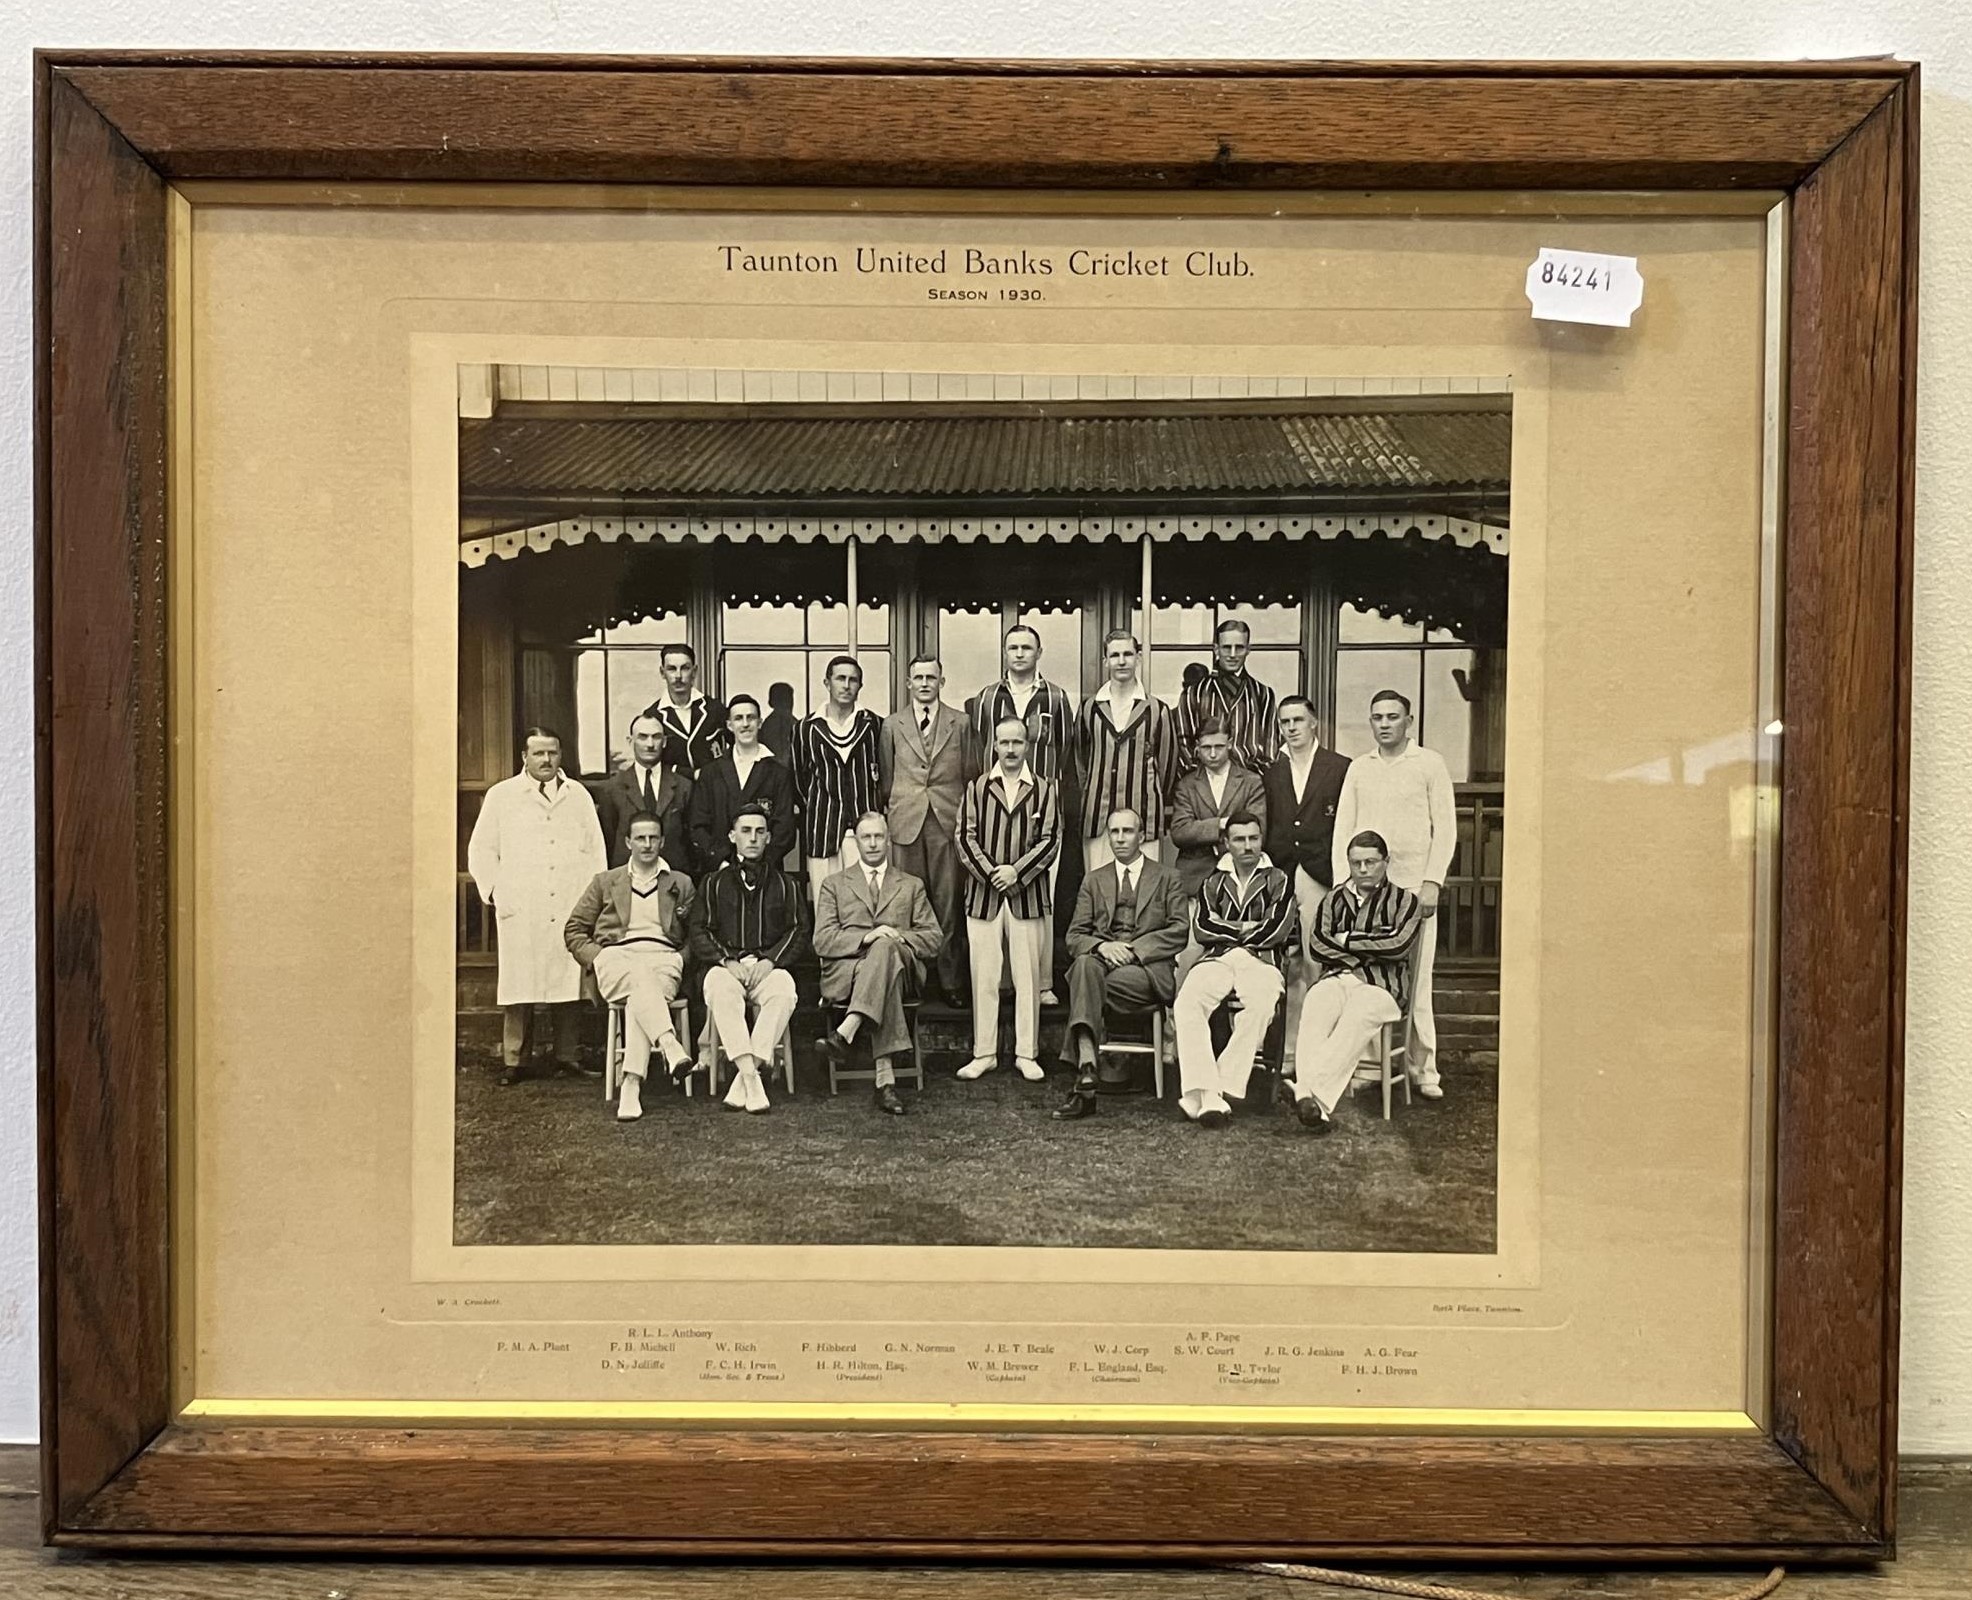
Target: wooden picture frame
[(116, 131)]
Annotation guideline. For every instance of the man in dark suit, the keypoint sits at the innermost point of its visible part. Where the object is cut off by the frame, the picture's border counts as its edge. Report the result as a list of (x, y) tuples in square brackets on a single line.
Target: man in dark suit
[(1302, 789), (647, 784), (1131, 919), (926, 760), (749, 774), (696, 723), (1208, 794), (874, 931)]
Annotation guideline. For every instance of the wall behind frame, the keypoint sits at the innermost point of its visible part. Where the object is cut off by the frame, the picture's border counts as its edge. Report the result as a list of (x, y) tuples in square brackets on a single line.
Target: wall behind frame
[(1937, 1298)]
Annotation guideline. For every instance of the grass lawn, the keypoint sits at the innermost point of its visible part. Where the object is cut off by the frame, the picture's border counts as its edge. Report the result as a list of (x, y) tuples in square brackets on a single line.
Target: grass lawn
[(973, 1163)]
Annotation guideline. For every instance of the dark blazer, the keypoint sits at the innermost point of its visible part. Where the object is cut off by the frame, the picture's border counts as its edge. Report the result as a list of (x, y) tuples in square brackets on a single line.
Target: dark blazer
[(716, 800), (843, 914), (621, 797), (692, 742), (1195, 819), (601, 916), (923, 779), (1301, 828), (1163, 920)]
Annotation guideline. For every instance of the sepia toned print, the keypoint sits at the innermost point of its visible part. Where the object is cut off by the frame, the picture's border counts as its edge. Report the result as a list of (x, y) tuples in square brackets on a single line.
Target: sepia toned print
[(1028, 823)]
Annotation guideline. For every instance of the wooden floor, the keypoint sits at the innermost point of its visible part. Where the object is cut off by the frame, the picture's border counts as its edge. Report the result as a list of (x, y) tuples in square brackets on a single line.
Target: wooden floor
[(1936, 1564)]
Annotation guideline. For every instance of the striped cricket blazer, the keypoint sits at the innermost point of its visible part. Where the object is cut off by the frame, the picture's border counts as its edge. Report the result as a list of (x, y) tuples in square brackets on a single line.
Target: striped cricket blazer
[(1050, 726), (1135, 765), (1370, 935), (836, 781), (1025, 835), (1245, 705), (1262, 920)]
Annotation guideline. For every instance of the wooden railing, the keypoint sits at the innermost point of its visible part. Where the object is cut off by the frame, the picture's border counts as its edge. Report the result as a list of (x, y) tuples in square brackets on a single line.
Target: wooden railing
[(1469, 909)]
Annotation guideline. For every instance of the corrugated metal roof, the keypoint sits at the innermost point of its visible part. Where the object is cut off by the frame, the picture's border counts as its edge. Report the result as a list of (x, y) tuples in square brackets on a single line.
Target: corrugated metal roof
[(983, 457)]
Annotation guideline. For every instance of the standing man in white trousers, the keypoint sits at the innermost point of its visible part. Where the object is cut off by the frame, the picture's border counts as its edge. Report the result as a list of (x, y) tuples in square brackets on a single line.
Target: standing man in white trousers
[(1404, 792)]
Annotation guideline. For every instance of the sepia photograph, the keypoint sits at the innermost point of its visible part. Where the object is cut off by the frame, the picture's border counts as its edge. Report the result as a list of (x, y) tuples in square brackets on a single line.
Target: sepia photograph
[(1071, 817)]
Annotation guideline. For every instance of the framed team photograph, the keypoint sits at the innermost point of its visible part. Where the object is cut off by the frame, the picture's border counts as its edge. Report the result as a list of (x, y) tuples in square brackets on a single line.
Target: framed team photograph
[(733, 799)]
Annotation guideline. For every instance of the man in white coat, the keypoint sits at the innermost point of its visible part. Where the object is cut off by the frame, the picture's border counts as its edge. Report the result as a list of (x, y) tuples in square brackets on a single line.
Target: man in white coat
[(535, 847), (1404, 792)]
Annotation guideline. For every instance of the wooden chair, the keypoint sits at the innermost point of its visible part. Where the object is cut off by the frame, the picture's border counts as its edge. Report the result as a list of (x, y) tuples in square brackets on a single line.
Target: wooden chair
[(783, 1058), (1390, 1046), (613, 1046), (915, 1071), (1158, 1016)]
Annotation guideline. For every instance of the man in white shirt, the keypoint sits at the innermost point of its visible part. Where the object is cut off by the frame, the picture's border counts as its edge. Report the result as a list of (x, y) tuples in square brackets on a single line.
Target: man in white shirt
[(1404, 792), (1302, 786)]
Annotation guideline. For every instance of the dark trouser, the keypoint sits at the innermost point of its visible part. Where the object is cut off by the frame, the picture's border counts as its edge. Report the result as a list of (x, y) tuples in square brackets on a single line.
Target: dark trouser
[(1127, 991), (933, 858), (517, 1024)]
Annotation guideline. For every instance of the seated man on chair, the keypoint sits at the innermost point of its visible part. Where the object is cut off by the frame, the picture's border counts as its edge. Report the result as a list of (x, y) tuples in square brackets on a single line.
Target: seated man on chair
[(1131, 920), (874, 931), (748, 925), (1360, 942), (1244, 921), (628, 929)]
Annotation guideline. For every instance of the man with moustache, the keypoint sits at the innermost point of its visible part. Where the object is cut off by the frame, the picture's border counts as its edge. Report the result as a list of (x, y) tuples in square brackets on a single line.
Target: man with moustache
[(646, 785)]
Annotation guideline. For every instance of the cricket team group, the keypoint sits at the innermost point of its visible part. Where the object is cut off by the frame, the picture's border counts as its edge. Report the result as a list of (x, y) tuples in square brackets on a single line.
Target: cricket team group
[(1230, 863)]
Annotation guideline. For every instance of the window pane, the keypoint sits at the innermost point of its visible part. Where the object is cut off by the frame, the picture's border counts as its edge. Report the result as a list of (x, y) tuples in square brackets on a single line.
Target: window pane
[(1176, 624), (1279, 670), (634, 682), (1167, 671), (969, 648), (1360, 674), (1061, 648), (754, 672), (1442, 636), (1372, 627), (872, 625), (828, 623), (1447, 713), (763, 625), (591, 722), (649, 630), (1270, 624)]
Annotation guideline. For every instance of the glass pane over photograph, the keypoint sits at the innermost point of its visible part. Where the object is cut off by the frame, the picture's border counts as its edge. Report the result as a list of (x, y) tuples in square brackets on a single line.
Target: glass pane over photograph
[(1173, 806)]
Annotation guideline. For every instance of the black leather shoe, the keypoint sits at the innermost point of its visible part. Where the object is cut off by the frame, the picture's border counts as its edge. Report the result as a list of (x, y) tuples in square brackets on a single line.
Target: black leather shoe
[(1308, 1110), (1081, 1102), (683, 1070), (832, 1047), (887, 1101), (522, 1072), (1213, 1119)]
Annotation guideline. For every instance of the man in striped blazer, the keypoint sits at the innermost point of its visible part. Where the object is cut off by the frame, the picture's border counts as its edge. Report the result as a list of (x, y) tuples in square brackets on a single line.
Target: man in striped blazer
[(1009, 833), (1364, 931), (1232, 696), (1128, 750), (838, 773), (1244, 920), (1022, 692)]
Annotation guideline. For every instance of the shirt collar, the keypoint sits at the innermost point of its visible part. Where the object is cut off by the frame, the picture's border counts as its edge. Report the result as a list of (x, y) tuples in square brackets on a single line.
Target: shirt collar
[(1108, 693), (691, 707), (1024, 778), (1409, 750), (552, 787), (658, 868), (1226, 863)]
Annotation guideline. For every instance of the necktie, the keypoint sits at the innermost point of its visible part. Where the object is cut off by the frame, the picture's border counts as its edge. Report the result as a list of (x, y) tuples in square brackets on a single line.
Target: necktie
[(650, 804), (1126, 893), (924, 721), (872, 888)]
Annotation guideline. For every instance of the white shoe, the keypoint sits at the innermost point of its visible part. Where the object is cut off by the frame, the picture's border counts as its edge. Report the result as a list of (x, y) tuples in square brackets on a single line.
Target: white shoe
[(756, 1094), (1048, 999), (977, 1067), (1029, 1069), (630, 1103), (1428, 1087)]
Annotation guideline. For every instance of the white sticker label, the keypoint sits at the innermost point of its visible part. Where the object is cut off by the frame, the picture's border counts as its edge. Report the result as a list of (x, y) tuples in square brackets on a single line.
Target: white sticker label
[(1581, 286)]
